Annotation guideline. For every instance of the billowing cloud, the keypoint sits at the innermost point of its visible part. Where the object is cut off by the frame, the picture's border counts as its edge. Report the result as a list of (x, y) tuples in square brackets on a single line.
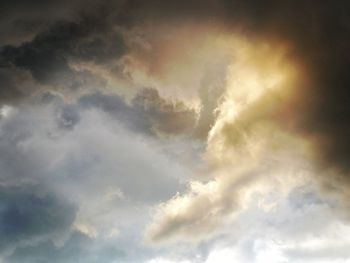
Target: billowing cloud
[(316, 36), (245, 150), (103, 102), (98, 177), (47, 56), (275, 91)]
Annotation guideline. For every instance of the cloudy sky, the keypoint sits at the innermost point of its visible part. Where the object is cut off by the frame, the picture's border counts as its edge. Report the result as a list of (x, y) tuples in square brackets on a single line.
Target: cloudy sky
[(197, 131)]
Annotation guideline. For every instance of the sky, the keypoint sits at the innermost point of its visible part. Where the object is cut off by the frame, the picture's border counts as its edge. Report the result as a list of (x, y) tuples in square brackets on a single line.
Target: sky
[(198, 131)]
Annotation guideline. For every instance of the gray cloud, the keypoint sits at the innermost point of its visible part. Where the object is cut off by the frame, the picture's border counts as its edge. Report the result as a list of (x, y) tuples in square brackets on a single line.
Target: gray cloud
[(147, 113), (95, 156), (29, 215), (78, 247), (48, 55), (98, 175)]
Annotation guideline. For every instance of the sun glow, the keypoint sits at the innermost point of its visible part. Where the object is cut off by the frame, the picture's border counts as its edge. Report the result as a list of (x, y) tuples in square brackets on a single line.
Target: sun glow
[(255, 70)]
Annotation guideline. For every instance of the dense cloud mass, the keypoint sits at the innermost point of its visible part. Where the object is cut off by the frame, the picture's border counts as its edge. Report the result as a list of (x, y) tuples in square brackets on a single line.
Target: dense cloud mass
[(131, 129), (28, 217)]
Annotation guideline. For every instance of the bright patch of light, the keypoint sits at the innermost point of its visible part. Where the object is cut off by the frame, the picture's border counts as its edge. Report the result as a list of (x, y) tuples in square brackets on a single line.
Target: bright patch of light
[(5, 111), (270, 254), (224, 255), (162, 260)]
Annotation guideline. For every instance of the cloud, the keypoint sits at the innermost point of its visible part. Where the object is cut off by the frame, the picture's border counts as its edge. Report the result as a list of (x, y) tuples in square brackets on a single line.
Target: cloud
[(48, 56), (268, 80), (77, 248), (316, 37), (166, 117), (58, 134), (294, 226), (147, 113), (29, 216), (289, 85), (99, 175), (245, 151)]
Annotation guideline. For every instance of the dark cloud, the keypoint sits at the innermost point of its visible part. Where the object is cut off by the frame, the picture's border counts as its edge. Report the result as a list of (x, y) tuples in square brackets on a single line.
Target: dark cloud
[(165, 116), (9, 89), (49, 51), (29, 214), (49, 54), (68, 117), (147, 113)]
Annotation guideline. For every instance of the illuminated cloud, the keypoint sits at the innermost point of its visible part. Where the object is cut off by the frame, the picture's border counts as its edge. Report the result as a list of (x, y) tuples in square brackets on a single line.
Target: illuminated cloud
[(186, 131), (245, 151)]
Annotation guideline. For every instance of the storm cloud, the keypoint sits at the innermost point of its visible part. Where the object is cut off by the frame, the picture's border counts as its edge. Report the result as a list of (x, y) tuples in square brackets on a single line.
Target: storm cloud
[(110, 108)]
